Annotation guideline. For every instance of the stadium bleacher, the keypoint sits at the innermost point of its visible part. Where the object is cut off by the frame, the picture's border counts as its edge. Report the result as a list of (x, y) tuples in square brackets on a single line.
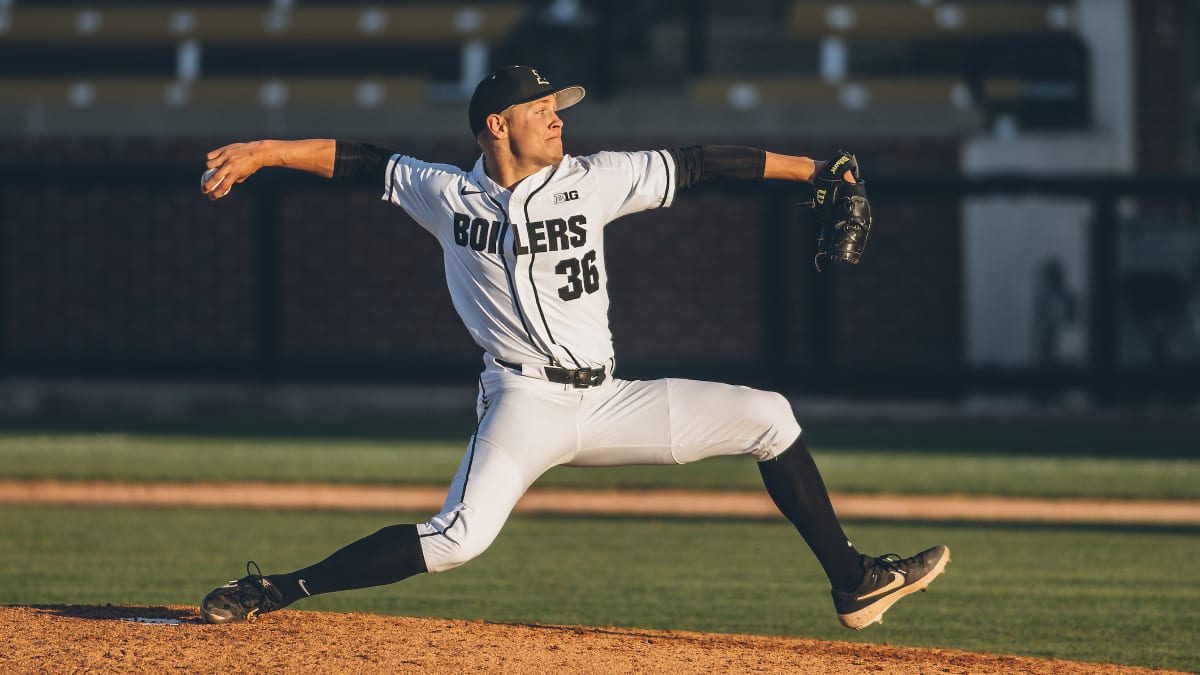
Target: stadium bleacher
[(1020, 59), (911, 19), (278, 23), (278, 53), (267, 92)]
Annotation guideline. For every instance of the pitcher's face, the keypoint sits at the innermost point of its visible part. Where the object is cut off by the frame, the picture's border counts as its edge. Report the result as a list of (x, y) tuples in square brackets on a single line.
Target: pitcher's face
[(535, 131)]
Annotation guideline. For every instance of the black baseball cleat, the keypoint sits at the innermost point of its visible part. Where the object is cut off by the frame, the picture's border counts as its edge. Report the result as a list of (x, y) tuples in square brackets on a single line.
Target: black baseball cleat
[(886, 579), (241, 599)]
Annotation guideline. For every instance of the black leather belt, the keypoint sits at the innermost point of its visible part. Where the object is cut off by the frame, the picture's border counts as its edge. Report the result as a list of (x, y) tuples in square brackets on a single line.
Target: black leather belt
[(580, 378)]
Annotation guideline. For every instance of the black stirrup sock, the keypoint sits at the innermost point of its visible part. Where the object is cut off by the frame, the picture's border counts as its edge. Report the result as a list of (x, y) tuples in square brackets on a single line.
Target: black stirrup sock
[(385, 557), (795, 484)]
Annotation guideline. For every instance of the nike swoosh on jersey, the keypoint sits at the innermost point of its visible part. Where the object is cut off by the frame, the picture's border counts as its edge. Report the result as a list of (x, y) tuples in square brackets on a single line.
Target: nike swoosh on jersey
[(464, 191), (896, 582)]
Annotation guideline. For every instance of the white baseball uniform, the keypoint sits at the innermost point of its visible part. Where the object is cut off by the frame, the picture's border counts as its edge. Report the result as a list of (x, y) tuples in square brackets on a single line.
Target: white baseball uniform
[(526, 272)]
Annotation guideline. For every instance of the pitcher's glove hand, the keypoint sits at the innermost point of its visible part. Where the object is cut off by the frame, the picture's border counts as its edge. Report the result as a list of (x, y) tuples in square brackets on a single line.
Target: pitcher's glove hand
[(842, 209)]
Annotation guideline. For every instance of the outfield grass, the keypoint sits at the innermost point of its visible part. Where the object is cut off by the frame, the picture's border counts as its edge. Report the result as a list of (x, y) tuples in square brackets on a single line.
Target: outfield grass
[(1118, 595), (919, 463)]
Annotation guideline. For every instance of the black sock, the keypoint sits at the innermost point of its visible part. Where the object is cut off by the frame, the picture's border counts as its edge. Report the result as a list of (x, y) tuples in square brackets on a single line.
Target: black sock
[(795, 484), (389, 555)]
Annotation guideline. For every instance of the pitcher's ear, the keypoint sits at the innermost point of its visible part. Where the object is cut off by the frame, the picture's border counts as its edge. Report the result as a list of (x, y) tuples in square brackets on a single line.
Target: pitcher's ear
[(496, 125)]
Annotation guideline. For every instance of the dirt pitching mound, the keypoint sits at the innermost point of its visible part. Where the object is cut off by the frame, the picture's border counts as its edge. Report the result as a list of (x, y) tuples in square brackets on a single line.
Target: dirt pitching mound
[(73, 638)]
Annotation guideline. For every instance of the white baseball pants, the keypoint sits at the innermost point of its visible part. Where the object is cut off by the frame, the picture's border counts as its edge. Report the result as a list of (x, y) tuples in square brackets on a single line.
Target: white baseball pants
[(528, 425)]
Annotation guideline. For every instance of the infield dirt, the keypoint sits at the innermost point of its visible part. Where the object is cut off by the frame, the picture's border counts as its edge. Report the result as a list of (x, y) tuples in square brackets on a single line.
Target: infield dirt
[(67, 638)]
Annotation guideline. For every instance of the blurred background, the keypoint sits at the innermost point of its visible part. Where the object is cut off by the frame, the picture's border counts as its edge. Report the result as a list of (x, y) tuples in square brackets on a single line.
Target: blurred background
[(1032, 166)]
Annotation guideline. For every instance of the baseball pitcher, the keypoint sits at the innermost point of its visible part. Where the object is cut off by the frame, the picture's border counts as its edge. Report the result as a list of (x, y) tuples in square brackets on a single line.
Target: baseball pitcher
[(522, 236)]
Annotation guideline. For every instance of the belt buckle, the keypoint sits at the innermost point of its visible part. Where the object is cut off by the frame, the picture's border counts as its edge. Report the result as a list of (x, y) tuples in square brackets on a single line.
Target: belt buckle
[(587, 377)]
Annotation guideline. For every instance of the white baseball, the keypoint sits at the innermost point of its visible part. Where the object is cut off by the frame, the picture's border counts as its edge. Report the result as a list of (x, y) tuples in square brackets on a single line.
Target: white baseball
[(209, 174)]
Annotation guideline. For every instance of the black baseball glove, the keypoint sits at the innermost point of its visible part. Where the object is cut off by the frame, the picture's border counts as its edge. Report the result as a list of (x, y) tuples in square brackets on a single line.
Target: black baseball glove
[(842, 209)]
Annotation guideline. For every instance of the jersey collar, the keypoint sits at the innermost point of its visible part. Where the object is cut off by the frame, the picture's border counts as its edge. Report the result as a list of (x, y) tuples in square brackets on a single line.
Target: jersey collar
[(479, 177)]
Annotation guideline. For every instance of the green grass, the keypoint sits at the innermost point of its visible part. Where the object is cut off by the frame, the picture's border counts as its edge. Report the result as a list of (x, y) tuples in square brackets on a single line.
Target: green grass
[(1115, 594), (1118, 595), (956, 463)]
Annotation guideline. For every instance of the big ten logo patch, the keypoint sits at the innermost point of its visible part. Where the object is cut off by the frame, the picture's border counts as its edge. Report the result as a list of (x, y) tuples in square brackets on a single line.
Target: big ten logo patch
[(568, 196)]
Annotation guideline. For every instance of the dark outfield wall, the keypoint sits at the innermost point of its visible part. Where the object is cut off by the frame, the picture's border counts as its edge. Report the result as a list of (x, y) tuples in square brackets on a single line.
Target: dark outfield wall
[(114, 264)]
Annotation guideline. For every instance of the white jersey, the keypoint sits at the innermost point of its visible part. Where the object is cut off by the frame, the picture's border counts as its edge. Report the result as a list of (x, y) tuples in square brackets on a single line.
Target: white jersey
[(525, 268), (527, 275)]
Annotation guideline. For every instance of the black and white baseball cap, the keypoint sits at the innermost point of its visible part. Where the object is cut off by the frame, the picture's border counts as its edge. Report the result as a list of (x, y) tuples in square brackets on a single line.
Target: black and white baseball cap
[(512, 85)]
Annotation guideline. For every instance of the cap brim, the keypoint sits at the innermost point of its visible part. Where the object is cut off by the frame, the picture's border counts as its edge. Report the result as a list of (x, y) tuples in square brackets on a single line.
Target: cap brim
[(564, 98), (569, 96)]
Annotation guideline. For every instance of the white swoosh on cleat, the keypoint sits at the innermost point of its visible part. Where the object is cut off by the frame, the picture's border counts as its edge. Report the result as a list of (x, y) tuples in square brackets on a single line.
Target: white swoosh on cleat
[(896, 582)]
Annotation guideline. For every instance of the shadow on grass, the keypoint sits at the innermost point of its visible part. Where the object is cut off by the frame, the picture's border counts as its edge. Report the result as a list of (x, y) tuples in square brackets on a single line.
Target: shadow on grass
[(1092, 435), (432, 427), (1069, 435)]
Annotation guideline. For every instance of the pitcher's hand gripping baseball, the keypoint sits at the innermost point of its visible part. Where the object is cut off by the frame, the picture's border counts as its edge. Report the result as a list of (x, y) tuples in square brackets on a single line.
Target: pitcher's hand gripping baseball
[(234, 163), (842, 209)]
